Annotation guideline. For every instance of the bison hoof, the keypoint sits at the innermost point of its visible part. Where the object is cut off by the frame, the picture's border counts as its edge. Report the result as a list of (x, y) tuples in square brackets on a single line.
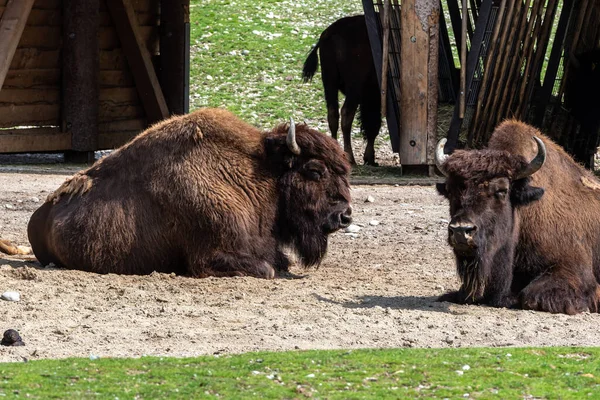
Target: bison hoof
[(509, 301), (267, 271), (564, 305), (456, 297), (12, 338)]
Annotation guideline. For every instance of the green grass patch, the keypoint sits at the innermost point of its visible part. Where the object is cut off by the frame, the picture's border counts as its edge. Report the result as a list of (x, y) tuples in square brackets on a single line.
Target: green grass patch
[(374, 374), (247, 56)]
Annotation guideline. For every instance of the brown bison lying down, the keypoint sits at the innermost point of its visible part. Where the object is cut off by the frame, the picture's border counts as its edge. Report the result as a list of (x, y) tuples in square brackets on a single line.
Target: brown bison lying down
[(523, 235), (201, 194)]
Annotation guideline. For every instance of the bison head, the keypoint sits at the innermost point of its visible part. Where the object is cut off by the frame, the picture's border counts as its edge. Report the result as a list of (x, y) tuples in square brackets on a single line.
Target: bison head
[(314, 193), (484, 187)]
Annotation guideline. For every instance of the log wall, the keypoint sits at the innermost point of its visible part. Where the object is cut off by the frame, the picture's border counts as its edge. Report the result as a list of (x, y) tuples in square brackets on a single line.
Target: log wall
[(30, 97)]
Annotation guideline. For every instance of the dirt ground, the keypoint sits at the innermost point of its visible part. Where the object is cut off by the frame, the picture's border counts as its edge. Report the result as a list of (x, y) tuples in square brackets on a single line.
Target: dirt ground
[(376, 288)]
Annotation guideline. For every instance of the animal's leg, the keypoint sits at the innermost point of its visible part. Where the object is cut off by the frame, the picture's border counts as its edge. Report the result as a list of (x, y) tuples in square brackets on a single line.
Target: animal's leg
[(564, 289), (282, 262), (232, 264), (348, 112), (330, 88), (486, 283), (333, 118), (370, 119), (457, 297)]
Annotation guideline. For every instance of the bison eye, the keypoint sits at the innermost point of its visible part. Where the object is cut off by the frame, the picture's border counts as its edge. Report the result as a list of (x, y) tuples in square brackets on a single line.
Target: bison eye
[(501, 194)]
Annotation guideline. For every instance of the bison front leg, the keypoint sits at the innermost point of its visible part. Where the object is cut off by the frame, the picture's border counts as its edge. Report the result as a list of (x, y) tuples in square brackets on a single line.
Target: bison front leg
[(229, 264), (562, 290), (485, 280), (282, 262)]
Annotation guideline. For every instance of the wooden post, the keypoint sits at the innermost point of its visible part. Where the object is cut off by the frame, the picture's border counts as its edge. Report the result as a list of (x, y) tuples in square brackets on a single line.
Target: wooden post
[(419, 27), (80, 72), (174, 54), (12, 24), (463, 61), (385, 56)]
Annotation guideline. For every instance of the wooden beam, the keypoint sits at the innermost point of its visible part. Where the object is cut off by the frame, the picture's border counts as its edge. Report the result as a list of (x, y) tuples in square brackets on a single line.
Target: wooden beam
[(174, 54), (51, 139), (139, 59), (12, 25), (32, 140), (80, 74)]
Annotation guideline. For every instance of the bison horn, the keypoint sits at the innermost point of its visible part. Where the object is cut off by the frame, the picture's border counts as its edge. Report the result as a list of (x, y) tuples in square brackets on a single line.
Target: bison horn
[(536, 163), (440, 157), (291, 138)]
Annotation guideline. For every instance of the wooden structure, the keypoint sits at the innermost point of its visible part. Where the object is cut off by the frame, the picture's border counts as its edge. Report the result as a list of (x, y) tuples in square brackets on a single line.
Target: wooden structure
[(413, 74), (516, 66), (84, 75), (520, 69)]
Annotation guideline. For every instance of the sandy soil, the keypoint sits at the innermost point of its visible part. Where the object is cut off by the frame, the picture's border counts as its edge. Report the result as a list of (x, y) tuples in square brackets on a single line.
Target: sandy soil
[(377, 289)]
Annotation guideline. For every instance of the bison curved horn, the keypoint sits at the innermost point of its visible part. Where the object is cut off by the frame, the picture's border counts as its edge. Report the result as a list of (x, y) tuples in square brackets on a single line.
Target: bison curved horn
[(291, 138), (536, 163), (440, 157)]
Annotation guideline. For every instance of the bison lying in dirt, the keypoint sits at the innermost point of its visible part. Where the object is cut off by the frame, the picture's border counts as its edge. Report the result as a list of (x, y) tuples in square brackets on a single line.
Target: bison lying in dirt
[(347, 66), (523, 236), (203, 194)]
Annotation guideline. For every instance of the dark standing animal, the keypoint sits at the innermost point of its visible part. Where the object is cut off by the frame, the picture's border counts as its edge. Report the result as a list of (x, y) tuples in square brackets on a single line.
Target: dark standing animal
[(201, 194), (582, 97), (523, 235), (347, 66)]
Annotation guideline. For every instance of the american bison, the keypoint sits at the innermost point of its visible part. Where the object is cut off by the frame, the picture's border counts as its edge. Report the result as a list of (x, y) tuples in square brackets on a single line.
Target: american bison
[(347, 66), (582, 98), (204, 194), (523, 235)]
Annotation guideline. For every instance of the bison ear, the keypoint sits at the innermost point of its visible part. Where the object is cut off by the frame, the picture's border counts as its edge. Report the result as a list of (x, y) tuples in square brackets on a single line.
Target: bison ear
[(523, 194), (278, 153)]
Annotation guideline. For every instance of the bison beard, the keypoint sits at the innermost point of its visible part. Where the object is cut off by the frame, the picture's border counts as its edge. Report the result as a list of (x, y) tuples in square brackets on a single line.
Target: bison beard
[(203, 194), (297, 226), (516, 244)]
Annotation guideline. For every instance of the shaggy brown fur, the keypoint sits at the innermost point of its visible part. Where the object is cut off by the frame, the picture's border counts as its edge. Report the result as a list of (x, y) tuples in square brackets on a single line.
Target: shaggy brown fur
[(201, 194), (528, 250)]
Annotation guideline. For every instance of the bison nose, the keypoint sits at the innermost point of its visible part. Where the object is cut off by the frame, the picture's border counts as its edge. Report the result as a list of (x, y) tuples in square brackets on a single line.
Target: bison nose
[(462, 231), (346, 218)]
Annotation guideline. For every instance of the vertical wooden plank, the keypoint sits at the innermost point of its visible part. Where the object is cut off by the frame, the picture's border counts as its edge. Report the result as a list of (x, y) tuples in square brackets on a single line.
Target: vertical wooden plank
[(553, 62), (174, 16), (463, 61), (414, 80), (12, 24), (386, 51), (138, 58), (376, 51), (472, 59), (80, 72), (435, 15)]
